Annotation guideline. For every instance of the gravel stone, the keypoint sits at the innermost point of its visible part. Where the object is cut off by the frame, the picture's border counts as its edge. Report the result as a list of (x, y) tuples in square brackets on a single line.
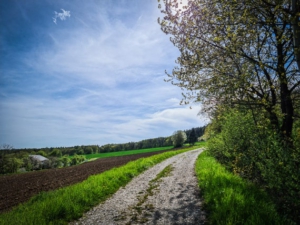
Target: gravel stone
[(175, 199)]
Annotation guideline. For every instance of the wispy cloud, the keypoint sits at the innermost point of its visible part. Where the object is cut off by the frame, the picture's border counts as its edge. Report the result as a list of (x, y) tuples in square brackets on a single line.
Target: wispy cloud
[(97, 81), (62, 16)]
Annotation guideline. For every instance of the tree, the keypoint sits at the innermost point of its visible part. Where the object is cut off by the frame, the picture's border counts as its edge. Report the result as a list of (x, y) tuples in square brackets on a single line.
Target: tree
[(178, 138), (192, 137), (42, 153), (95, 148), (27, 164), (6, 147), (80, 151), (88, 150), (10, 164), (237, 53), (66, 160), (55, 153), (296, 29), (77, 159)]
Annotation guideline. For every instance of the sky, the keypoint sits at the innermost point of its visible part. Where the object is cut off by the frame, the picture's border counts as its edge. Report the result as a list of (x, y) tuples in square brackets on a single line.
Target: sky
[(87, 72)]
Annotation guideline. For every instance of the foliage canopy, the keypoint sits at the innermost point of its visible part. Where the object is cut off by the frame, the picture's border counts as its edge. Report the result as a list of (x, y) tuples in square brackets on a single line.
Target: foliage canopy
[(237, 53)]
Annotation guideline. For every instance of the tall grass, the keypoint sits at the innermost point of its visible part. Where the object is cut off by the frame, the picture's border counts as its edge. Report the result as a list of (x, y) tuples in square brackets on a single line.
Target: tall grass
[(67, 204), (231, 200)]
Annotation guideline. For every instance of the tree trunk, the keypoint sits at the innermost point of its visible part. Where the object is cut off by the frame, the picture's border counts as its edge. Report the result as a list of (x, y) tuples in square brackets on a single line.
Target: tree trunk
[(287, 109), (286, 104)]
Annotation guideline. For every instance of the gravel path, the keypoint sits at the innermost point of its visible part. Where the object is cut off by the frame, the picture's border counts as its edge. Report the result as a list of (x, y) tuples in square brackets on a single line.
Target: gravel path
[(149, 199)]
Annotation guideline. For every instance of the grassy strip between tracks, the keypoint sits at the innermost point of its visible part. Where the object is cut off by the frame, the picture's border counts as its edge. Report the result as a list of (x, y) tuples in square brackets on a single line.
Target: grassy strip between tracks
[(229, 199), (69, 203)]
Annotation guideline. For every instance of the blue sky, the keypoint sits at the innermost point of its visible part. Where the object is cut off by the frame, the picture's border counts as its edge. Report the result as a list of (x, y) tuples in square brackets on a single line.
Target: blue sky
[(86, 72)]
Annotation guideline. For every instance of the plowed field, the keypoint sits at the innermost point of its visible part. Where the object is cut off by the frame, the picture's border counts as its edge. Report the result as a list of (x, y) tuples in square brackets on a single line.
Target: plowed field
[(18, 188)]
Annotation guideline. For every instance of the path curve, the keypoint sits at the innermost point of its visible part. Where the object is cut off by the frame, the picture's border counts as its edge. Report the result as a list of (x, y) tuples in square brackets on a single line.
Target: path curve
[(173, 199)]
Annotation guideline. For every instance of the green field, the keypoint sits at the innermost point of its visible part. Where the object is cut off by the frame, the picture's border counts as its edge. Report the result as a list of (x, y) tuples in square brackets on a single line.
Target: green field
[(138, 151), (122, 153), (69, 203)]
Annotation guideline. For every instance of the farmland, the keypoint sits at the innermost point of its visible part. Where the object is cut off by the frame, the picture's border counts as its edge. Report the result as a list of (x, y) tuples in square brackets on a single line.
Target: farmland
[(32, 183), (123, 153), (70, 202)]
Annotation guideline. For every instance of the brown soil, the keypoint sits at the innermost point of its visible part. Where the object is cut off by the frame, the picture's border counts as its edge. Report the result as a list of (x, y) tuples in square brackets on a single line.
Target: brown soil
[(18, 188)]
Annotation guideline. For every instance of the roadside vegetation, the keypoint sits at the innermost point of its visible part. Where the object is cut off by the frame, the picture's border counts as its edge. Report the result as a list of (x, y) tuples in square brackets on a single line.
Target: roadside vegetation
[(67, 204), (229, 199), (241, 61), (250, 148)]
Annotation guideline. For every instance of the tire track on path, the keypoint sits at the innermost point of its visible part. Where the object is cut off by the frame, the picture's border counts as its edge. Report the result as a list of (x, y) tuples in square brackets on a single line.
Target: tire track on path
[(148, 199)]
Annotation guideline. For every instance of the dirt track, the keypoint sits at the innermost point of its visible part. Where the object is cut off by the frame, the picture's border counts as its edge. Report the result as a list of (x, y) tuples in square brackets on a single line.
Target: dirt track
[(18, 188), (171, 199)]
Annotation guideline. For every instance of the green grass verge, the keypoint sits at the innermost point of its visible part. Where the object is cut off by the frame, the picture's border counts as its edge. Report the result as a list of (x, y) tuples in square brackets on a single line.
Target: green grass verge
[(130, 152), (231, 200), (67, 204)]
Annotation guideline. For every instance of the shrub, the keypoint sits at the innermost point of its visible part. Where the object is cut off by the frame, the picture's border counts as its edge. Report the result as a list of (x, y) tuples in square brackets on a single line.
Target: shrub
[(66, 160), (77, 159), (253, 151)]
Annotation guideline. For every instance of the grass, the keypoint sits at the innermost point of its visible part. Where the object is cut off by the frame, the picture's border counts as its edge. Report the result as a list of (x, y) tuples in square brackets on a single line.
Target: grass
[(231, 200), (137, 151), (154, 183), (142, 211), (69, 203), (123, 153)]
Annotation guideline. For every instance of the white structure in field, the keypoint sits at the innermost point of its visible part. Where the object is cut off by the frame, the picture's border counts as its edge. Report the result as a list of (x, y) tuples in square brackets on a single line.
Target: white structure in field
[(39, 161)]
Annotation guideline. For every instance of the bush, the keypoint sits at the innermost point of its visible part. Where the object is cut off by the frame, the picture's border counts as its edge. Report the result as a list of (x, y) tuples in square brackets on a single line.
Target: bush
[(55, 162), (77, 159), (253, 151), (66, 161)]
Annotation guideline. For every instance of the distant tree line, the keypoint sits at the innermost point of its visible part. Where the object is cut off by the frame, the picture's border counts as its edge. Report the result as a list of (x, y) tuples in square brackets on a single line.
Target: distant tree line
[(11, 160), (194, 134)]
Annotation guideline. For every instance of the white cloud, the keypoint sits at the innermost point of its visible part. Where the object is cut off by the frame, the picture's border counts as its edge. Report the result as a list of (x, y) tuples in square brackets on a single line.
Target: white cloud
[(110, 52), (102, 83), (62, 16), (40, 123)]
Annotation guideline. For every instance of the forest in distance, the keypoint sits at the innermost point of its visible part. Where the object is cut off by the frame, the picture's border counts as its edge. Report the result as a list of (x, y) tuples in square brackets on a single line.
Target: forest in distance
[(22, 160), (89, 149)]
